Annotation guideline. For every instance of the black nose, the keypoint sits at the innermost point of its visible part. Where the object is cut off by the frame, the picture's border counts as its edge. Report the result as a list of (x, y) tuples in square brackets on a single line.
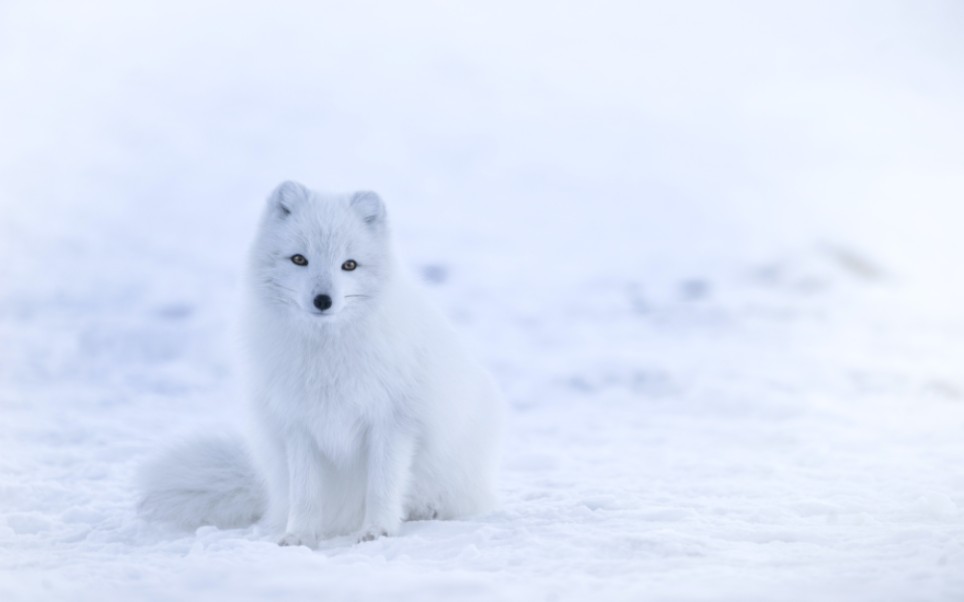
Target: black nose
[(322, 302)]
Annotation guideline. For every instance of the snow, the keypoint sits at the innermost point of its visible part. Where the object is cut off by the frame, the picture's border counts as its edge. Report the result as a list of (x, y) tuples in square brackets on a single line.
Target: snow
[(710, 251)]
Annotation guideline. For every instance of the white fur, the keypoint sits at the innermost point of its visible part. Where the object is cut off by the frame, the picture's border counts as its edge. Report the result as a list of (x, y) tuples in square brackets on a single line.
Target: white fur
[(366, 414), (207, 481)]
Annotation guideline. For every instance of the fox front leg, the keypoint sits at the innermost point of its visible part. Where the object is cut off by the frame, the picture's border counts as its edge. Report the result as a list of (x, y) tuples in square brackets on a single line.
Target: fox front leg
[(390, 452), (304, 492)]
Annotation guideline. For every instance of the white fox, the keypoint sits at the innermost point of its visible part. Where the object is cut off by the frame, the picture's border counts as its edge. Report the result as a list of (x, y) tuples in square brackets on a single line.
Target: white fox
[(366, 410)]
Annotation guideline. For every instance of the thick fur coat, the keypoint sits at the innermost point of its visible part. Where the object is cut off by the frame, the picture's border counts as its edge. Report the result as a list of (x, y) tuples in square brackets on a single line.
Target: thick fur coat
[(366, 410)]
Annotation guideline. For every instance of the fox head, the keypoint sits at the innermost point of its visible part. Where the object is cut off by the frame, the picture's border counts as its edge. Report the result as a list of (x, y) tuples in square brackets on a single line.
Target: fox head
[(324, 257)]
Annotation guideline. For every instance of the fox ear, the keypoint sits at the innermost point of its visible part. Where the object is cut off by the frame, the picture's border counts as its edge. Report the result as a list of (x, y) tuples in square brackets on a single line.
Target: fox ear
[(369, 206), (287, 196)]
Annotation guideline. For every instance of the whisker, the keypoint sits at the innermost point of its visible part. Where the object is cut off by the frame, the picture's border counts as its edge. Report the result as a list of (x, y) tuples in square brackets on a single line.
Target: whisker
[(275, 284)]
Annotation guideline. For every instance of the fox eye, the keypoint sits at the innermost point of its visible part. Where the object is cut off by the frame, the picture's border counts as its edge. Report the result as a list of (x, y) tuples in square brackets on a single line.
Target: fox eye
[(349, 265), (299, 260)]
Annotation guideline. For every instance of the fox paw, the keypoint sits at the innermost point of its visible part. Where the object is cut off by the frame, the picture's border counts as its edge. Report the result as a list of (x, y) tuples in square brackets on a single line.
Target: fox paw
[(371, 535), (423, 512), (293, 539)]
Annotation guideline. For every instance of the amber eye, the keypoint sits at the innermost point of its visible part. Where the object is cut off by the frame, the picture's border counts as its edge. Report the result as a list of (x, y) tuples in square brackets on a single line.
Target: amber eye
[(349, 265), (299, 260)]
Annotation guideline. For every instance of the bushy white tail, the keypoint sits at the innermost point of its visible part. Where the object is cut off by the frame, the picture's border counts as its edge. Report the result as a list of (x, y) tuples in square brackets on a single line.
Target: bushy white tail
[(205, 481)]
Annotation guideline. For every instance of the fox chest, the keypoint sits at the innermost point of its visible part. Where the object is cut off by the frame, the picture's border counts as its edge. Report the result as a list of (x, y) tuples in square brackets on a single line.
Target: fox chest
[(339, 407)]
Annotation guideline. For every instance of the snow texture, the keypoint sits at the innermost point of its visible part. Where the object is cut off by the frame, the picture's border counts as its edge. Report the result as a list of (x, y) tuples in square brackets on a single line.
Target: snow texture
[(711, 252)]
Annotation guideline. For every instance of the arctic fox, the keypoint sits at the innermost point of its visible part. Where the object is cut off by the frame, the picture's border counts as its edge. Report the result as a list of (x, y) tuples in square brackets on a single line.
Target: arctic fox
[(366, 410)]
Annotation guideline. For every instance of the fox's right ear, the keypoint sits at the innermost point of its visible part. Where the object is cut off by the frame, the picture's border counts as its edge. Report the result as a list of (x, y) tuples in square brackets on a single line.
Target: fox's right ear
[(286, 197)]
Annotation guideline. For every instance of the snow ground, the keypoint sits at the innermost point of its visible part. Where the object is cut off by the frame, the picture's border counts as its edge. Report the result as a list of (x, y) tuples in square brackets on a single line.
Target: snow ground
[(710, 250)]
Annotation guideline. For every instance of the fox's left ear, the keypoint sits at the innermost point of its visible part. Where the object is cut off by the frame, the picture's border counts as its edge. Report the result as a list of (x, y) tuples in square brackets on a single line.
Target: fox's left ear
[(370, 207)]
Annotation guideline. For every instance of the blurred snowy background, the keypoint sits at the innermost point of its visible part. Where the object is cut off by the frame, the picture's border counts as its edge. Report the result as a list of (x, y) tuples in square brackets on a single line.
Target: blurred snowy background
[(710, 250)]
